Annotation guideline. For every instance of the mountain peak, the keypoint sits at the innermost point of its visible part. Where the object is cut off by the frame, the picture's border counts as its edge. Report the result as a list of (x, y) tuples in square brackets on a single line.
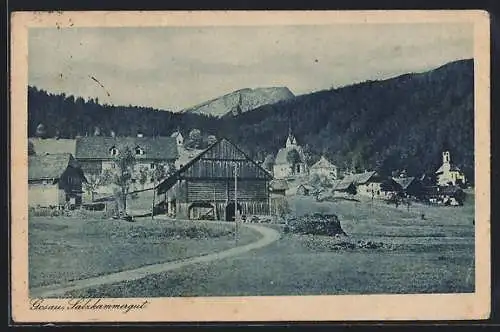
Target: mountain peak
[(242, 100)]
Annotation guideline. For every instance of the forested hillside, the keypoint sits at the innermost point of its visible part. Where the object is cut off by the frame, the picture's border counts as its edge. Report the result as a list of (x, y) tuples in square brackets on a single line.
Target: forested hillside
[(71, 116), (403, 122)]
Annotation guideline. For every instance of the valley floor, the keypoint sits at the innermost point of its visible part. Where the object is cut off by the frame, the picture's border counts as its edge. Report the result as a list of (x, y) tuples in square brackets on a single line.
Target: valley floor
[(431, 255)]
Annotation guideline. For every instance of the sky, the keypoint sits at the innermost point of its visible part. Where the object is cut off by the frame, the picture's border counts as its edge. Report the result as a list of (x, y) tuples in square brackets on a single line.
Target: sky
[(178, 67)]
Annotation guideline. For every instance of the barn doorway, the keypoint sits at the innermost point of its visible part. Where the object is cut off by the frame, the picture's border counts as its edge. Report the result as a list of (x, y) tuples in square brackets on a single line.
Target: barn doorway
[(201, 211), (230, 211)]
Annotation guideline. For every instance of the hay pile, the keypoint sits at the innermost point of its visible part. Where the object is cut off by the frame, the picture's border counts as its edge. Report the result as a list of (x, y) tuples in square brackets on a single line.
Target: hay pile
[(315, 224)]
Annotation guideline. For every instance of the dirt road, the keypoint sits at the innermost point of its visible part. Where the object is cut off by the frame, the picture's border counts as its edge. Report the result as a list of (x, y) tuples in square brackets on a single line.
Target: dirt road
[(53, 291)]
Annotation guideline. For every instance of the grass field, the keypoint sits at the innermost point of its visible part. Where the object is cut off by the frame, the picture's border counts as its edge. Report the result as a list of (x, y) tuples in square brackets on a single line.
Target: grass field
[(64, 249), (431, 255)]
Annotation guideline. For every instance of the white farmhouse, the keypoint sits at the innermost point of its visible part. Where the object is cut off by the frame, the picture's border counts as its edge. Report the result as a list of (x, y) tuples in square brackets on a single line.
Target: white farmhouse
[(324, 168)]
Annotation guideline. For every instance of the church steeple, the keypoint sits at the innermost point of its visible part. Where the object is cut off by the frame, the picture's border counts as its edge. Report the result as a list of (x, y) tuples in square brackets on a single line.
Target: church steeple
[(290, 141)]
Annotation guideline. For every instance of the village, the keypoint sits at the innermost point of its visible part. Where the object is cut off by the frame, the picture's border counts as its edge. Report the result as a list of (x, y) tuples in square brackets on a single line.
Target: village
[(206, 184)]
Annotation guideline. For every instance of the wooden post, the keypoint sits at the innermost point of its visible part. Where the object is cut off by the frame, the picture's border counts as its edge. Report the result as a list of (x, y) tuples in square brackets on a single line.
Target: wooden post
[(236, 201), (153, 204), (215, 206)]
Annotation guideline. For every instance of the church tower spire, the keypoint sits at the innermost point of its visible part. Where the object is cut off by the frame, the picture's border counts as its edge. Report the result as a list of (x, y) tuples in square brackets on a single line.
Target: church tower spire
[(290, 141)]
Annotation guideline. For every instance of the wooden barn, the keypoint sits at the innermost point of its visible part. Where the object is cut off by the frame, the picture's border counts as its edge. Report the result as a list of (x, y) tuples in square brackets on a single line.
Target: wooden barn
[(204, 188)]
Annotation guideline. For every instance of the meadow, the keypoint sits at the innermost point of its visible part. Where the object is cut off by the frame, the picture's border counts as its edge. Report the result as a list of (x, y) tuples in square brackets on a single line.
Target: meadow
[(63, 249), (434, 254)]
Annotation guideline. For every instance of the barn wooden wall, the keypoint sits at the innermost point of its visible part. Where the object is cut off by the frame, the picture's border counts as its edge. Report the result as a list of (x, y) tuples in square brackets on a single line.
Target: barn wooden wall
[(212, 190)]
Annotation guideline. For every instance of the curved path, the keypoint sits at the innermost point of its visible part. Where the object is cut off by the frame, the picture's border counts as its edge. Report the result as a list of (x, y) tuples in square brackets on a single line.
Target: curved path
[(268, 236)]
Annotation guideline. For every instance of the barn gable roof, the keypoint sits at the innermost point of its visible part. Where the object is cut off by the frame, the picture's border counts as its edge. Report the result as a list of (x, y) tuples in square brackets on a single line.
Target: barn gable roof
[(97, 147), (50, 166), (222, 147)]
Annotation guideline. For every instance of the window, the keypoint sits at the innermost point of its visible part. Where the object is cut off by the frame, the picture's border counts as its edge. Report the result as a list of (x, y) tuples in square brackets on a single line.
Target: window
[(152, 166), (132, 180), (113, 151)]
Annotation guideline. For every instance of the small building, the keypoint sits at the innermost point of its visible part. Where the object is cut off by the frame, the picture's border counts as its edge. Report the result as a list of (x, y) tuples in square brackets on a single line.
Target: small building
[(206, 185), (278, 188), (304, 190), (179, 139), (284, 167), (324, 168), (449, 174), (368, 183), (54, 180)]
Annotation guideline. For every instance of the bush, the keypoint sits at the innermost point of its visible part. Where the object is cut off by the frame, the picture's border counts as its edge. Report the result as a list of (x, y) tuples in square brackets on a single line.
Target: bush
[(315, 224), (44, 212)]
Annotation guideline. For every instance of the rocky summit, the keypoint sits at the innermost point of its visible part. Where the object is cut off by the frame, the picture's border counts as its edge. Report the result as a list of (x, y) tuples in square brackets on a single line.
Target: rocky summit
[(241, 101)]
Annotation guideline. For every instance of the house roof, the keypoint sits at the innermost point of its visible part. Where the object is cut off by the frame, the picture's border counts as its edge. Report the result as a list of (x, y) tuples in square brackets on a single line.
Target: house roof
[(97, 147), (323, 163), (345, 183), (52, 145), (359, 178), (278, 184), (50, 166), (169, 182), (453, 168), (362, 178), (281, 157), (404, 182), (305, 186), (175, 134)]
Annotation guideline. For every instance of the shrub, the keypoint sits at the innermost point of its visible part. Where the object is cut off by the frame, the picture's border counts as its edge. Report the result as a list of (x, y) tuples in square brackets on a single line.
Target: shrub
[(315, 224)]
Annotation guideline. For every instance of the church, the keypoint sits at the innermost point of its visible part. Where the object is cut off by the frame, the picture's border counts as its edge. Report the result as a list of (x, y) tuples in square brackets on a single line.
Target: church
[(449, 174), (290, 160)]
